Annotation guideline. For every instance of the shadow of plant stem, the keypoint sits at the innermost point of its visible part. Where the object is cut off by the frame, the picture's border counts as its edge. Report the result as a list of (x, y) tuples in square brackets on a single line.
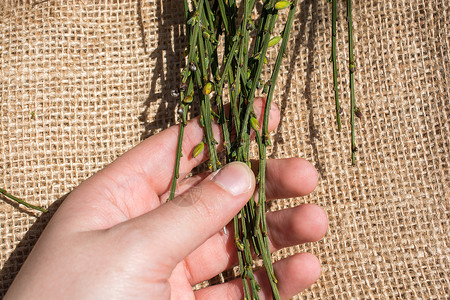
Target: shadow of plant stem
[(169, 59), (19, 207)]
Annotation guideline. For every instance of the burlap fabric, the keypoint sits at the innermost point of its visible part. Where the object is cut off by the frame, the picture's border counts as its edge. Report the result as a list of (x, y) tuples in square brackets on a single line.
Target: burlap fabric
[(82, 82)]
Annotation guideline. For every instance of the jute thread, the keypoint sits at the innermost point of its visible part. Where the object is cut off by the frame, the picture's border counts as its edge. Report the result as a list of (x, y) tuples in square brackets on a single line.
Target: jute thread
[(82, 82)]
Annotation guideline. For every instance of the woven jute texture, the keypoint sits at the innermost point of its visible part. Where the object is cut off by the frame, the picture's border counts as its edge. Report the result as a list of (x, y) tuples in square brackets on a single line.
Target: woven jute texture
[(81, 82)]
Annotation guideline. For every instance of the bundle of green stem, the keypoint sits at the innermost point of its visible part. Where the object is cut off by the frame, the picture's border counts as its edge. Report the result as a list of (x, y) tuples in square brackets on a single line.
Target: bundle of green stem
[(206, 77)]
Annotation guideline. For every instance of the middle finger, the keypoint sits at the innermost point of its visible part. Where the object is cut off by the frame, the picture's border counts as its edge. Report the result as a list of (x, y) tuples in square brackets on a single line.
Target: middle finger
[(288, 227)]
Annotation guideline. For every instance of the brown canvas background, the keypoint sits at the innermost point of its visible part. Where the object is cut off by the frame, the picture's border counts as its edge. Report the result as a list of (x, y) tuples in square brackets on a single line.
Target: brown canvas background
[(97, 77)]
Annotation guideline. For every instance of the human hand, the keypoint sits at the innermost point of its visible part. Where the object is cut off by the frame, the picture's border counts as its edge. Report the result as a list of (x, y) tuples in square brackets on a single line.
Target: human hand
[(115, 238)]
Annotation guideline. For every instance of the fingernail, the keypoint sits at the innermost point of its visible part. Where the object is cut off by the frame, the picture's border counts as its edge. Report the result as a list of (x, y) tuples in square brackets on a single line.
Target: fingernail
[(236, 178)]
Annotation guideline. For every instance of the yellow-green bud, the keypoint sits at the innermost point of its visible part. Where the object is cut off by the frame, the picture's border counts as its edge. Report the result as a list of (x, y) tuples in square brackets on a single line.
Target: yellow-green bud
[(207, 89), (188, 99), (239, 244), (198, 149), (282, 5), (254, 123), (273, 41)]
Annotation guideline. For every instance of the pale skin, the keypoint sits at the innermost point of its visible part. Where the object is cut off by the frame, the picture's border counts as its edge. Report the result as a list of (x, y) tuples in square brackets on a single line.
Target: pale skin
[(116, 237)]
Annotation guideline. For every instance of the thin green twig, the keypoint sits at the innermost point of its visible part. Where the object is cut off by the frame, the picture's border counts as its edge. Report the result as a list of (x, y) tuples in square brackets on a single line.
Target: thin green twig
[(352, 70), (193, 32), (333, 58), (255, 75), (264, 141), (201, 77), (21, 201)]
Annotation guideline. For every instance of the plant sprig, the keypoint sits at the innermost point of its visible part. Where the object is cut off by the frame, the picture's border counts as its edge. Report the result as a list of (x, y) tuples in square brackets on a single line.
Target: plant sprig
[(351, 70), (240, 73), (354, 111), (21, 201), (333, 59)]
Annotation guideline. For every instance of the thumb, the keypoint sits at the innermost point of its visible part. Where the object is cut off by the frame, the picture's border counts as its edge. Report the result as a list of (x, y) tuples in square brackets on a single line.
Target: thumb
[(178, 227)]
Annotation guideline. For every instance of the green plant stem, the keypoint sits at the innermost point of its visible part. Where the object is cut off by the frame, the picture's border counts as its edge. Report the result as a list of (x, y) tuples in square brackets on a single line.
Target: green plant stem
[(261, 230), (192, 43), (240, 251), (248, 258), (276, 69), (193, 34), (205, 106), (244, 149), (228, 60), (232, 10), (333, 57), (224, 16), (176, 172), (256, 73), (186, 10), (262, 26), (219, 89), (240, 91), (242, 75), (264, 140), (212, 48), (352, 79), (23, 202)]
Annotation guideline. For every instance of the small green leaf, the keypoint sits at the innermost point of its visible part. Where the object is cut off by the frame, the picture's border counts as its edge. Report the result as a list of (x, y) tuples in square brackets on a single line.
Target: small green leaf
[(202, 123), (254, 123), (198, 149), (273, 41), (207, 89), (239, 244), (282, 5), (192, 21), (188, 99)]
